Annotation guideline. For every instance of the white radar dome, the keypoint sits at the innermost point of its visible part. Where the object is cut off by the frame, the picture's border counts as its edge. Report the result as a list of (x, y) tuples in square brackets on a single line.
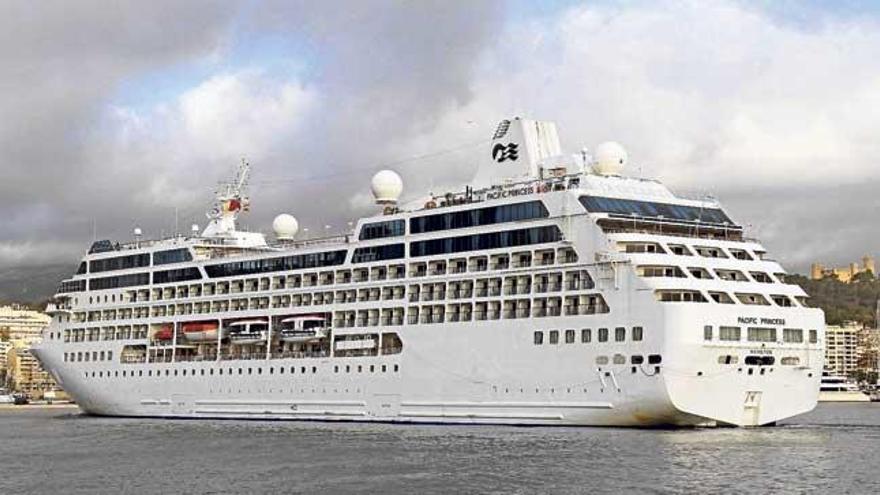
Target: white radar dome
[(285, 226), (386, 186), (609, 158)]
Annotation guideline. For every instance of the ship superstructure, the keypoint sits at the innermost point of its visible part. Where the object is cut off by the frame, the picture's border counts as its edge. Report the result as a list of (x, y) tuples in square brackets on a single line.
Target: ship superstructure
[(551, 290)]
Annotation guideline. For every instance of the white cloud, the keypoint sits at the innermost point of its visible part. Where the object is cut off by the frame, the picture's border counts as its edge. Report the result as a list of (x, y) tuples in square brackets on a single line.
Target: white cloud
[(703, 93), (707, 96), (203, 133), (231, 114)]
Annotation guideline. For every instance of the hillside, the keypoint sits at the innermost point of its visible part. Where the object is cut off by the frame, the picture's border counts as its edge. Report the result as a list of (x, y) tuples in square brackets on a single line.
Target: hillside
[(842, 301), (31, 285)]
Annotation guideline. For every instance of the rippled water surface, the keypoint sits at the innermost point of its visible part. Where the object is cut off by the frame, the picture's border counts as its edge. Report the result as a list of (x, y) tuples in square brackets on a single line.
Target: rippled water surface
[(836, 447)]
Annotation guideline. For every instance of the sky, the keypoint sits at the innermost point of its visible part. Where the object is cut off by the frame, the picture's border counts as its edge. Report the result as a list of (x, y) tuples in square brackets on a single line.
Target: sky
[(118, 115)]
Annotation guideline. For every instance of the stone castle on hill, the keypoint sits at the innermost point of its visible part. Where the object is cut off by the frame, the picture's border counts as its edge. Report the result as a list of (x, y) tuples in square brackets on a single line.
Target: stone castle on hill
[(845, 274)]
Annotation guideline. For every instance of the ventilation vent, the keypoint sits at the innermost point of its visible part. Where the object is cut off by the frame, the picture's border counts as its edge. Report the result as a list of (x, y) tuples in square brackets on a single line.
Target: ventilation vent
[(502, 129)]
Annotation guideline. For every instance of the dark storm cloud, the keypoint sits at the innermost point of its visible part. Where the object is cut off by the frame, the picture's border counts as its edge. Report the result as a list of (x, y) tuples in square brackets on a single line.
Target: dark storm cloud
[(62, 63), (68, 168)]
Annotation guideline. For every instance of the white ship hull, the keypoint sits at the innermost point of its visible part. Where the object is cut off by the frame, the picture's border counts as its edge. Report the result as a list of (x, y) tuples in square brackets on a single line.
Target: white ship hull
[(449, 375)]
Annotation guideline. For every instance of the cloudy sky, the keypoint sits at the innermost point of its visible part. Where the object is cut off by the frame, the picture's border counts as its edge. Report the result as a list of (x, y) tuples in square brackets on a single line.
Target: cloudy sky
[(114, 114)]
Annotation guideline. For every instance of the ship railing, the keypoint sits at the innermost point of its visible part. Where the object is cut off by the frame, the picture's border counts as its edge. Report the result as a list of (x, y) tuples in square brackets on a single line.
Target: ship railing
[(196, 357), (301, 354)]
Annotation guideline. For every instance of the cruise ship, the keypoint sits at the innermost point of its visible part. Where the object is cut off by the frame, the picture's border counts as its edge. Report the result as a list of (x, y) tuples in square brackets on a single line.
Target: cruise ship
[(552, 289)]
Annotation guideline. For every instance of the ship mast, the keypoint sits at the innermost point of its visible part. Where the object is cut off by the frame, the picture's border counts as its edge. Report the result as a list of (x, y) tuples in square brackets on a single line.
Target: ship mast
[(229, 201)]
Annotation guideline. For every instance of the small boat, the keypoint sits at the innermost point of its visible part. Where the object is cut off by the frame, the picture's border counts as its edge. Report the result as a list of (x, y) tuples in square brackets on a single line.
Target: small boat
[(248, 332), (164, 333), (834, 388), (303, 328), (203, 331)]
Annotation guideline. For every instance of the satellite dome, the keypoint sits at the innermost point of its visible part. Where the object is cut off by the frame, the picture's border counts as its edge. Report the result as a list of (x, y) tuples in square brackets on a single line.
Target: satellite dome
[(609, 159), (386, 186), (285, 226)]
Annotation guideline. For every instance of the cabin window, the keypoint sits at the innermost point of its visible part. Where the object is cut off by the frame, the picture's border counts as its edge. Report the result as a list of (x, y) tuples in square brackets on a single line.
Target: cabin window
[(793, 335), (680, 296), (740, 254), (729, 334), (649, 209), (171, 256), (790, 361), (378, 253), (379, 230), (601, 360), (120, 263), (178, 275), (277, 264), (721, 298), (707, 332), (637, 359), (539, 338), (781, 300), (679, 250), (569, 336), (586, 335), (759, 334), (660, 271), (728, 359), (637, 334), (710, 252), (654, 359), (554, 336), (479, 242), (752, 299), (619, 334), (603, 335), (477, 217), (814, 336)]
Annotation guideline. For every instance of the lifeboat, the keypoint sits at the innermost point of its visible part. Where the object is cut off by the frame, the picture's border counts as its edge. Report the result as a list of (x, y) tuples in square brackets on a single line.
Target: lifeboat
[(248, 332), (164, 333), (202, 331), (303, 328)]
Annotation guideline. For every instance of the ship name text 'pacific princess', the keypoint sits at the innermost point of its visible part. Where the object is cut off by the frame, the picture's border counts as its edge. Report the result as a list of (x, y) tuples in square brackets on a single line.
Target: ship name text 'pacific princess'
[(551, 290)]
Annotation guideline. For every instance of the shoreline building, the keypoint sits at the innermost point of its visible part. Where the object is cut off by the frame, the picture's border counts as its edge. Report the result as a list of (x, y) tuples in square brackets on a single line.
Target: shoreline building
[(20, 371), (845, 274), (21, 324), (842, 350), (4, 349), (852, 349)]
